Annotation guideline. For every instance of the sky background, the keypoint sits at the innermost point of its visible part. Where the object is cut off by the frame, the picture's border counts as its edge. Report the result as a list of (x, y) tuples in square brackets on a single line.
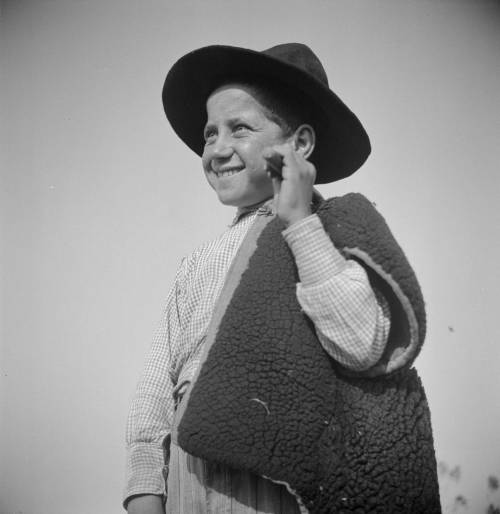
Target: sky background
[(100, 201)]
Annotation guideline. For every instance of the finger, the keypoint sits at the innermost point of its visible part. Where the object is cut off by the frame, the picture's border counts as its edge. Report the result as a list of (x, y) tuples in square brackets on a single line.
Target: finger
[(292, 165), (276, 186), (274, 165)]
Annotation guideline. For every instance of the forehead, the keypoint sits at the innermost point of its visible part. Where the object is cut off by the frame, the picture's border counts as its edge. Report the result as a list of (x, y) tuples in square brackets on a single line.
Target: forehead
[(232, 100)]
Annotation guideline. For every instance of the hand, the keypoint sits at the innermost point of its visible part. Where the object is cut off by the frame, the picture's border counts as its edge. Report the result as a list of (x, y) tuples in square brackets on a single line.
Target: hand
[(293, 193), (146, 504)]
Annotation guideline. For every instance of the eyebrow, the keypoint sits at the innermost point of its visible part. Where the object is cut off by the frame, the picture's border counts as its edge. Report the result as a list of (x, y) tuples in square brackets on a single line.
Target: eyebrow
[(230, 121), (208, 126)]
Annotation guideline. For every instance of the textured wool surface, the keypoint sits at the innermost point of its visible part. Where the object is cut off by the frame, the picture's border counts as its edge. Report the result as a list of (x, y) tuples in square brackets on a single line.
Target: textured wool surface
[(269, 399)]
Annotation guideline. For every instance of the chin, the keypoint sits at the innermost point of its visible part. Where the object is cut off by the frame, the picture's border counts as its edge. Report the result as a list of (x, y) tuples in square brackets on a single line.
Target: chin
[(242, 201), (231, 202)]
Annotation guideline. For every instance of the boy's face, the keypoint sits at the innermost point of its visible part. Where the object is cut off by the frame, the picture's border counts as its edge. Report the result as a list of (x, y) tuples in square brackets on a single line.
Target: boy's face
[(237, 134)]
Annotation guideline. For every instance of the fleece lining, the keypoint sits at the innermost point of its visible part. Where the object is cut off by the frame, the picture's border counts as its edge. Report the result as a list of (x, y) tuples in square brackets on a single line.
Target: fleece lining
[(268, 398)]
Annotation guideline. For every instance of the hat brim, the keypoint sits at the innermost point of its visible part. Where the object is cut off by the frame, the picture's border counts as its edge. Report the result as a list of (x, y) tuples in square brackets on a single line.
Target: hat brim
[(342, 144)]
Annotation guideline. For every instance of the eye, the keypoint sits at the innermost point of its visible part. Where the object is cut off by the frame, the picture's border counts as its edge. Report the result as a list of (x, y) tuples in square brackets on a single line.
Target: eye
[(209, 135), (240, 127)]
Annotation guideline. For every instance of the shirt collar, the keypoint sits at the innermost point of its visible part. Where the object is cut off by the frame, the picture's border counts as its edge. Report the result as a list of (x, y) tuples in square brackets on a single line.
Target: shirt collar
[(263, 208), (266, 207)]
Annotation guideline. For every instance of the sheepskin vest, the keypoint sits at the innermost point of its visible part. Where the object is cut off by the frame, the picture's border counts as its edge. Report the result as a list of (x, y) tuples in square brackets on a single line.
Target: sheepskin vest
[(268, 398)]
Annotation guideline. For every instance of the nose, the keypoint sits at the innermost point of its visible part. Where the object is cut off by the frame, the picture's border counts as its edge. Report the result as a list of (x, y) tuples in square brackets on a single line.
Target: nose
[(221, 148), (218, 152)]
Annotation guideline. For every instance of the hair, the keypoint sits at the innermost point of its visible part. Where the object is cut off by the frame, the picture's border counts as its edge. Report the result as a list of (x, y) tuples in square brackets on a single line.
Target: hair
[(286, 107)]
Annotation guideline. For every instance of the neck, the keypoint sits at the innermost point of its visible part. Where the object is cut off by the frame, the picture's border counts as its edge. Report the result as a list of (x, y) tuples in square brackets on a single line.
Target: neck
[(250, 208)]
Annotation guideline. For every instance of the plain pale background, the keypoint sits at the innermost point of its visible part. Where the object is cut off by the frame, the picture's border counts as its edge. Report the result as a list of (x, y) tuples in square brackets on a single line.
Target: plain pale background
[(100, 201)]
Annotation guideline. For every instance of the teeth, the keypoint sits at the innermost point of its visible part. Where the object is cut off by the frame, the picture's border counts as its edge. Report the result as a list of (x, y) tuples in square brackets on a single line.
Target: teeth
[(227, 173)]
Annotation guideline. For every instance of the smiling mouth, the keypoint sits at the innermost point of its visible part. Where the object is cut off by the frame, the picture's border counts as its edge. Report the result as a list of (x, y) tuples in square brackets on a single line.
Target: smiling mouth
[(227, 172)]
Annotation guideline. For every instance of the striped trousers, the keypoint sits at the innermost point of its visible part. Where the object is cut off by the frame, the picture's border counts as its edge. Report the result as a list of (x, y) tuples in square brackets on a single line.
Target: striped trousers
[(195, 486)]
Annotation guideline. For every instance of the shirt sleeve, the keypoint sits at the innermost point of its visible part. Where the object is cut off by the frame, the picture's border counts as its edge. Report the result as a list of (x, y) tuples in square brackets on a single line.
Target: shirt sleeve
[(152, 409), (352, 320)]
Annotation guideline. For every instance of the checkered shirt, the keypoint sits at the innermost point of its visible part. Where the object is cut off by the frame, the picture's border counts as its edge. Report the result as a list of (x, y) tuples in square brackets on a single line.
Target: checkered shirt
[(352, 322)]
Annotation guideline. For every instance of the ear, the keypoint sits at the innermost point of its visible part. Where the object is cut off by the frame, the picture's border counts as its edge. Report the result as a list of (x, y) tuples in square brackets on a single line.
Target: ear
[(304, 139)]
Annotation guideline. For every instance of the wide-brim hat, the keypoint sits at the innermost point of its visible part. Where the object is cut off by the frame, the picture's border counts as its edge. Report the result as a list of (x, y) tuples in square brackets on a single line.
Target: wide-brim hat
[(342, 144)]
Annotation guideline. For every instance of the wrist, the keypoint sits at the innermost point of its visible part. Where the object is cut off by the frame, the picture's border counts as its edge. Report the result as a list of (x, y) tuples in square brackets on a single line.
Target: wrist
[(146, 504), (316, 257), (297, 216)]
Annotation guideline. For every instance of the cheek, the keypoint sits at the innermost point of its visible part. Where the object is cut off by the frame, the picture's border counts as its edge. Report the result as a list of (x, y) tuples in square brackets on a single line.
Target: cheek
[(210, 179), (205, 161), (253, 155)]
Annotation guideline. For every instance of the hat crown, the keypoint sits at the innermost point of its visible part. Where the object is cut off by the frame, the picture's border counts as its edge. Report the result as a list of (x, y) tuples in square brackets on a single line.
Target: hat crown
[(300, 56)]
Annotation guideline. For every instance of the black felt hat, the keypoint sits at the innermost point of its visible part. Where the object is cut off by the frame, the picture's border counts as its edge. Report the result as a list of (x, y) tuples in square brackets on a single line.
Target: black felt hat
[(342, 144)]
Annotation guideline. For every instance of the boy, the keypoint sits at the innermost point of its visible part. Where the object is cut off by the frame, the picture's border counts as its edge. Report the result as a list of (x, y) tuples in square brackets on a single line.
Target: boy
[(230, 384)]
